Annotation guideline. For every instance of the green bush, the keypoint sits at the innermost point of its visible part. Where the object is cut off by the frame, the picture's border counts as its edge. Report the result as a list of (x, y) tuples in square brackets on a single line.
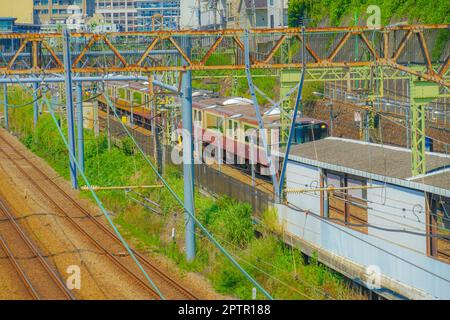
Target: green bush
[(422, 11)]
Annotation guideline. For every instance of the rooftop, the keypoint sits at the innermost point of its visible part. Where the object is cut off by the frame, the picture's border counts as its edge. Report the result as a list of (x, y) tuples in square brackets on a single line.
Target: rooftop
[(381, 160), (7, 19)]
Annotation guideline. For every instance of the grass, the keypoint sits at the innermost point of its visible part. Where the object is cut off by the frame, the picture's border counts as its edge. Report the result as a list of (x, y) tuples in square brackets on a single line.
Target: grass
[(278, 268)]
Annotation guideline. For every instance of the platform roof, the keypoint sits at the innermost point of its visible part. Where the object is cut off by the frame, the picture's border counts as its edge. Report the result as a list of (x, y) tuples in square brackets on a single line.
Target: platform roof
[(373, 161)]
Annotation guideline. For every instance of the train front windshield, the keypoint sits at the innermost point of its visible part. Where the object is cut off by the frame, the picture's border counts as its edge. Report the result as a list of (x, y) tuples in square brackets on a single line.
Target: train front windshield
[(305, 132)]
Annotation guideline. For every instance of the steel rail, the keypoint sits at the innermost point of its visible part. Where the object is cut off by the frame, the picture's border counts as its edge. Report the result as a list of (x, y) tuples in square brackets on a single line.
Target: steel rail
[(164, 277), (19, 270), (51, 272), (70, 219)]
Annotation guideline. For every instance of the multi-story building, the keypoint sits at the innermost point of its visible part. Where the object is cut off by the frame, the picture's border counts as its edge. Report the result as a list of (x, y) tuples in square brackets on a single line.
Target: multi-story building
[(140, 15), (210, 14), (121, 13), (22, 10), (58, 11), (231, 14), (263, 13), (9, 25), (157, 14)]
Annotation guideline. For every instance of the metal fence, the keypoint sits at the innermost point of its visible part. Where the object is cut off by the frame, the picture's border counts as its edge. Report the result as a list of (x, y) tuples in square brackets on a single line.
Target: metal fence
[(219, 183)]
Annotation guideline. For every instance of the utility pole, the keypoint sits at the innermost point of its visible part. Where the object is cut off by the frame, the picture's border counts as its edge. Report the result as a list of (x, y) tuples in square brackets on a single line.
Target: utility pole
[(199, 14), (330, 105), (356, 21), (5, 105), (69, 108), (188, 159), (108, 120), (366, 126), (407, 125), (79, 91), (253, 14), (155, 132), (214, 7), (267, 153), (35, 104)]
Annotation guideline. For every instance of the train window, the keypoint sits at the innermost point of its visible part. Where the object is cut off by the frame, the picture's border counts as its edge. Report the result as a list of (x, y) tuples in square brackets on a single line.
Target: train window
[(230, 131), (197, 116), (347, 206), (121, 93), (137, 98), (310, 132), (214, 122), (249, 131), (236, 130), (439, 227)]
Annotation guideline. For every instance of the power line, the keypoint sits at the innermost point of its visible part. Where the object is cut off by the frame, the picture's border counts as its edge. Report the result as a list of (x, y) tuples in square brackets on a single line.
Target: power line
[(325, 220)]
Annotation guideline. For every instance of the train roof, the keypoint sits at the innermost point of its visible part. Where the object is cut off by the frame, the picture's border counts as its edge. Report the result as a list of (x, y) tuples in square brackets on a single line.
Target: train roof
[(229, 107), (242, 109), (134, 85)]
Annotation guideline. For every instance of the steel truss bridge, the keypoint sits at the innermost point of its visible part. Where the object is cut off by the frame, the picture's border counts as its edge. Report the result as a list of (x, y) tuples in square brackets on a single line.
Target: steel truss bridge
[(331, 50), (418, 53)]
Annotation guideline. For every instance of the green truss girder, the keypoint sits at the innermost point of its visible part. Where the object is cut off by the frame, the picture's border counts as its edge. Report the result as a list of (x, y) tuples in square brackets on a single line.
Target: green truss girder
[(421, 93)]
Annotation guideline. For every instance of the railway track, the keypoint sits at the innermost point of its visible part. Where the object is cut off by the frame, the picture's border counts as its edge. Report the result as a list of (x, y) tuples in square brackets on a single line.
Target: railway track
[(92, 226), (39, 278)]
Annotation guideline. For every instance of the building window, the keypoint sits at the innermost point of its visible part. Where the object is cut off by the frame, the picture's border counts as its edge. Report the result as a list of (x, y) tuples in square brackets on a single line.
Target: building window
[(346, 206), (439, 227)]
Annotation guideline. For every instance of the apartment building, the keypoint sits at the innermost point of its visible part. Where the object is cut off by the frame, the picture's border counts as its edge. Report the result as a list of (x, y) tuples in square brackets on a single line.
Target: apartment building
[(232, 14), (154, 14), (210, 14), (22, 10), (121, 13), (263, 13), (58, 11)]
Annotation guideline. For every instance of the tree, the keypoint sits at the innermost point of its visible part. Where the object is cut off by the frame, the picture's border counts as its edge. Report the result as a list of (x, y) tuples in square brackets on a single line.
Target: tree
[(297, 10)]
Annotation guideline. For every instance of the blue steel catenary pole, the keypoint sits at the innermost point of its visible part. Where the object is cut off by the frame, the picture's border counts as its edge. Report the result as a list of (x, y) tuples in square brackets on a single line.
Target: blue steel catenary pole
[(188, 159), (69, 106), (298, 102), (265, 146)]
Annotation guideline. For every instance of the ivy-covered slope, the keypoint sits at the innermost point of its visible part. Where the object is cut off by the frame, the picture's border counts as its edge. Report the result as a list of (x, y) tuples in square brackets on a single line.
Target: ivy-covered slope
[(342, 12)]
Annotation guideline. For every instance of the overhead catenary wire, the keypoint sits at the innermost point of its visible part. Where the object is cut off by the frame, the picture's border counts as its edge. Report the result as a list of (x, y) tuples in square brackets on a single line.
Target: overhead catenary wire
[(191, 214), (100, 204), (305, 282), (317, 216)]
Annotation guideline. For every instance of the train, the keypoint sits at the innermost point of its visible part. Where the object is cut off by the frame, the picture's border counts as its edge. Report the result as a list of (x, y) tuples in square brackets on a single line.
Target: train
[(225, 128)]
